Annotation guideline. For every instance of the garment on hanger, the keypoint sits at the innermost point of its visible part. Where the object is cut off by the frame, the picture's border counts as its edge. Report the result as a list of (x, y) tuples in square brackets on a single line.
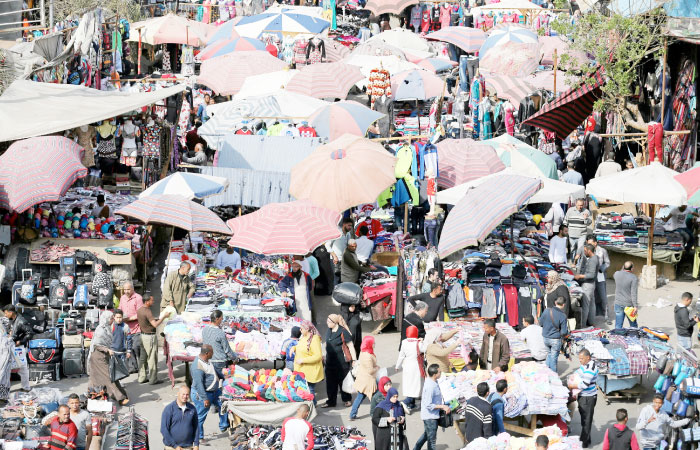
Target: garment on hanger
[(445, 15), (129, 131), (509, 117), (151, 140), (187, 60), (486, 117), (435, 17), (416, 17), (86, 136), (165, 64), (384, 104), (425, 20), (379, 84), (316, 51)]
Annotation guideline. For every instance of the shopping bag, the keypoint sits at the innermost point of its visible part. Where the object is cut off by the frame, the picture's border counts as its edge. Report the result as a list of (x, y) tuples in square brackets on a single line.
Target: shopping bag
[(20, 358), (382, 373), (348, 384), (117, 369)]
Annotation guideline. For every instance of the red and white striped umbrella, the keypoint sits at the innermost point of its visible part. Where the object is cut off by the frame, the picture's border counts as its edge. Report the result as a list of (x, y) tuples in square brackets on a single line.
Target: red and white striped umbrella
[(379, 7), (174, 210), (468, 39), (39, 169), (335, 51), (226, 74), (511, 58), (294, 228), (462, 160), (325, 80), (509, 87)]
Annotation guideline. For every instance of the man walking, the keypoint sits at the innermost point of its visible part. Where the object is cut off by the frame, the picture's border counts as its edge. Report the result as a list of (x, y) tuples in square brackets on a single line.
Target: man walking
[(554, 328), (571, 176), (498, 406), (619, 436), (177, 288), (205, 384), (587, 277), (685, 321), (478, 415), (430, 406), (559, 246), (148, 361), (587, 375), (64, 433), (82, 421), (129, 303), (21, 334), (338, 246), (495, 348), (179, 424), (577, 219), (297, 432), (215, 336), (652, 423), (626, 285)]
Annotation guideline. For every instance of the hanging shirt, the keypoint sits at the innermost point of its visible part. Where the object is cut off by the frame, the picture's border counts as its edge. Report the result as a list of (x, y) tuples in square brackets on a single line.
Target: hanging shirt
[(289, 130), (245, 131), (374, 227), (405, 161), (307, 131)]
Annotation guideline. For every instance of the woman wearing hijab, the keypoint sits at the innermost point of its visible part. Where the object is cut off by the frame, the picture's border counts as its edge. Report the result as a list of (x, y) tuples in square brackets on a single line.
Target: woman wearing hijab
[(336, 365), (387, 412), (289, 346), (351, 314), (557, 288), (7, 353), (308, 358), (365, 380), (100, 354), (382, 388), (412, 362), (435, 350)]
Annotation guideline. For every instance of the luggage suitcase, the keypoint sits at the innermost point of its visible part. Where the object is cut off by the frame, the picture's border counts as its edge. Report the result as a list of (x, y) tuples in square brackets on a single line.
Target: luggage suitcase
[(43, 355), (51, 338), (58, 294), (92, 319), (50, 372), (73, 362), (81, 297), (72, 341), (29, 289), (36, 319)]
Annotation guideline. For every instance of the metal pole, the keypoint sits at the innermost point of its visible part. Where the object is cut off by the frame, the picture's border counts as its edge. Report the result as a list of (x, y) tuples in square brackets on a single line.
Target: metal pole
[(405, 218), (663, 87), (51, 13), (650, 246), (42, 13), (555, 72)]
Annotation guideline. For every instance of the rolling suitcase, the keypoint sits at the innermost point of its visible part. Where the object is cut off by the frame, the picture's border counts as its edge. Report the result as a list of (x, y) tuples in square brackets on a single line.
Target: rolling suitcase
[(50, 372), (73, 362)]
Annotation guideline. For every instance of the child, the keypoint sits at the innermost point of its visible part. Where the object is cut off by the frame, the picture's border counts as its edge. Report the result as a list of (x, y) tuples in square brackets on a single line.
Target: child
[(382, 388), (289, 347), (121, 340)]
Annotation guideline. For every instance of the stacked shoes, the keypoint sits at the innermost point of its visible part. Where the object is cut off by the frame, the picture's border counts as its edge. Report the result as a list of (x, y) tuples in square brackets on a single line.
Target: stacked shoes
[(252, 437)]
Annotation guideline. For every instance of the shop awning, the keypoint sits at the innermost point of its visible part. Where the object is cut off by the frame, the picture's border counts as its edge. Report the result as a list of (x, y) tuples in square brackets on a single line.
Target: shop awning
[(684, 28), (564, 114), (29, 108)]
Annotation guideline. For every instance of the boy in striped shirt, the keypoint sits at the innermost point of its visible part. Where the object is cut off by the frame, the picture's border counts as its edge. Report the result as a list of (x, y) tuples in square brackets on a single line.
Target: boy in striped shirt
[(63, 431), (587, 376)]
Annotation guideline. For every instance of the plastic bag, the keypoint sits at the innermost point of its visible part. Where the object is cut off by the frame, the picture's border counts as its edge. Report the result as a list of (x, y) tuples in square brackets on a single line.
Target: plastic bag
[(348, 384), (117, 369), (382, 372)]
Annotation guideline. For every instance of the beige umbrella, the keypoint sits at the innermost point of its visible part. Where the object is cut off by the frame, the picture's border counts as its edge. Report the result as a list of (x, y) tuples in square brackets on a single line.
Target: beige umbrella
[(171, 29), (325, 80), (226, 74)]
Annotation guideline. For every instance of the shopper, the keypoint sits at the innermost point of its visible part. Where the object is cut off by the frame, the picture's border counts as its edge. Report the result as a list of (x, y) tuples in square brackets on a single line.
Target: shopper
[(559, 246), (83, 422), (308, 358), (619, 436), (365, 381), (338, 340), (338, 246), (432, 278), (148, 363), (555, 328), (297, 284), (213, 335), (351, 315), (178, 288), (578, 220), (179, 424), (199, 158), (542, 442), (532, 336), (478, 415), (297, 432), (626, 286), (554, 217), (100, 354), (435, 301), (652, 423), (430, 406), (365, 245), (129, 303), (228, 260), (388, 414), (289, 348), (601, 291), (416, 319), (205, 390), (571, 175), (412, 364), (495, 349), (557, 288), (685, 321), (64, 433), (435, 350), (19, 333), (587, 376), (351, 268), (587, 277), (498, 405), (121, 341), (383, 387)]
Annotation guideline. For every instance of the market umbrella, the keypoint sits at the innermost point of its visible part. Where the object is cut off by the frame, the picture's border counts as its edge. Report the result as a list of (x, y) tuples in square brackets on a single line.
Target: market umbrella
[(379, 7), (266, 83), (507, 33), (170, 29), (224, 47), (652, 184), (187, 185), (325, 80), (378, 48), (335, 51), (279, 23), (467, 38), (544, 79), (226, 74), (406, 40), (416, 85), (294, 228), (511, 58), (548, 44), (435, 65), (524, 159), (224, 32), (508, 87), (462, 160), (39, 169), (344, 117), (482, 208), (176, 211), (690, 180), (367, 63)]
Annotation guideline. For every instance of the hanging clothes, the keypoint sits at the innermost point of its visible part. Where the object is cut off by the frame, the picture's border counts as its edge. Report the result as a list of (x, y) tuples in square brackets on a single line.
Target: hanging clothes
[(316, 51), (485, 117)]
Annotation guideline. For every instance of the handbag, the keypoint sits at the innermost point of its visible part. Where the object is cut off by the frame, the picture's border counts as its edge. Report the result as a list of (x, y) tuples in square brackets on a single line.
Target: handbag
[(446, 420), (346, 351), (117, 369), (348, 385)]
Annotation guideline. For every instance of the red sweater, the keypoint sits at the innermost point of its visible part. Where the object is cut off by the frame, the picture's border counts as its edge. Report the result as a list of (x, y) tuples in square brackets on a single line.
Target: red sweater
[(63, 435)]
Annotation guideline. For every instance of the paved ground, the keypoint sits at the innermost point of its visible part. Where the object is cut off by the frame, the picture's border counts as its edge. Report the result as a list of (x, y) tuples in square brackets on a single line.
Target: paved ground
[(150, 402)]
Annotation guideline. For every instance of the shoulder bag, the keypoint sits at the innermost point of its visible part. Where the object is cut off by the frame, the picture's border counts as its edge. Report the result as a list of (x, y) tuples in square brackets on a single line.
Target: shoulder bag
[(346, 351)]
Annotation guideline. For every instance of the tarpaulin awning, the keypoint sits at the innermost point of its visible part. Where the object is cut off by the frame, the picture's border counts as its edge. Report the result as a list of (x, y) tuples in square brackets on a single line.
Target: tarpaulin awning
[(30, 108), (570, 109), (266, 153)]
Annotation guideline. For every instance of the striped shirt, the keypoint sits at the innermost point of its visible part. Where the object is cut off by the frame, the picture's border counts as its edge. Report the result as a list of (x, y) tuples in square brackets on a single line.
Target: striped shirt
[(63, 435), (577, 223), (589, 377)]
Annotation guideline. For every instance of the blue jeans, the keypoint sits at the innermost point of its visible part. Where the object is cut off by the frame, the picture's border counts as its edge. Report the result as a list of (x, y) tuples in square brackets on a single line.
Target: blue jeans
[(686, 342), (620, 317), (553, 347), (312, 389), (356, 404), (202, 410), (410, 402), (429, 435)]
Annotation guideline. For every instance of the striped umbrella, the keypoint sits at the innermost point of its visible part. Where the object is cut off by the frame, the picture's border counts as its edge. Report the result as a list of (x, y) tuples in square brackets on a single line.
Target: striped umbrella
[(416, 85), (468, 39), (378, 48), (435, 65), (378, 7), (508, 87), (690, 180), (39, 169), (483, 208), (325, 80), (524, 159), (507, 33), (511, 58), (294, 228), (551, 43), (346, 172), (544, 79), (188, 185), (335, 51), (224, 32), (279, 23), (462, 160), (226, 74), (224, 47), (176, 211), (344, 117)]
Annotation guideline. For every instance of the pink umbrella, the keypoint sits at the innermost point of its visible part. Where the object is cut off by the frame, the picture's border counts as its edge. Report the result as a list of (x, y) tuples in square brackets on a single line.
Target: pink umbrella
[(468, 39), (509, 87), (379, 7), (294, 228), (551, 43), (462, 160), (344, 117), (39, 169), (416, 84), (511, 58), (544, 79), (435, 65), (226, 74), (325, 80), (171, 29), (335, 51)]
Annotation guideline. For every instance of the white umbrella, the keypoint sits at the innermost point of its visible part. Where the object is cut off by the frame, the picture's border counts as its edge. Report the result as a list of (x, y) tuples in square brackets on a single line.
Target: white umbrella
[(404, 39), (368, 63), (266, 83), (653, 184), (188, 185)]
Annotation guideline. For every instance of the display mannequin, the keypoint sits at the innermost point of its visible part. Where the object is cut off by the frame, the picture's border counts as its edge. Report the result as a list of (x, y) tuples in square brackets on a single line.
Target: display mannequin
[(129, 132), (86, 138), (486, 118), (106, 147), (509, 115)]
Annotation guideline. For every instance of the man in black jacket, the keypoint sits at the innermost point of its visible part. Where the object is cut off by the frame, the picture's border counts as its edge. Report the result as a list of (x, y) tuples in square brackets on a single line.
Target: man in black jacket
[(479, 415), (21, 335), (685, 321), (415, 318)]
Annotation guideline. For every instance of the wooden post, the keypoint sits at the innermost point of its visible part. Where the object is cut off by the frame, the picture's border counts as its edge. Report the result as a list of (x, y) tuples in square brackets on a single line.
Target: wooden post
[(663, 87), (405, 218), (650, 246), (555, 72)]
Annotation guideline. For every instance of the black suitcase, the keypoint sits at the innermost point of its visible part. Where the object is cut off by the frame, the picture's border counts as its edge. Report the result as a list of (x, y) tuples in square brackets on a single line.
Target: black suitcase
[(50, 372), (73, 362), (43, 355)]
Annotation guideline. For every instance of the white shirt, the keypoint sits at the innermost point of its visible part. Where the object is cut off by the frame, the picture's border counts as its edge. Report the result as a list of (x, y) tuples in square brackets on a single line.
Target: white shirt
[(557, 249), (224, 260), (677, 219), (296, 431), (489, 362), (532, 335), (555, 216), (364, 248)]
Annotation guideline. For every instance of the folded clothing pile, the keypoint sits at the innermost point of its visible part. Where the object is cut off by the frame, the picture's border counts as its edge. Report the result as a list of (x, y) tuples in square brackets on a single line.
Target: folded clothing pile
[(265, 385)]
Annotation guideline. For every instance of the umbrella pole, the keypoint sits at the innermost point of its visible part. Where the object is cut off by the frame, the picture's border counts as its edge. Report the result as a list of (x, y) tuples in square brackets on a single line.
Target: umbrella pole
[(139, 54), (512, 242), (650, 246), (555, 72)]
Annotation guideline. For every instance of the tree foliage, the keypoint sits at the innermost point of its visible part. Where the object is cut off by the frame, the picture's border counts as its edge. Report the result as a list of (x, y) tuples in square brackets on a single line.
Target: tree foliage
[(127, 9)]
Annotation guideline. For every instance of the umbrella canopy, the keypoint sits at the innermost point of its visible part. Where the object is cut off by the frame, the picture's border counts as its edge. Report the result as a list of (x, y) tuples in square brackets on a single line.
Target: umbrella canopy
[(468, 39), (367, 63), (379, 7), (653, 184), (224, 47), (435, 65), (404, 39), (275, 228), (378, 47), (509, 87), (511, 58), (285, 21), (187, 185), (544, 79), (226, 74), (462, 160), (39, 169), (508, 33), (266, 83), (524, 159), (343, 173), (562, 46), (484, 207), (416, 85), (224, 32), (690, 180), (344, 117), (176, 211), (504, 6), (171, 29), (325, 80), (335, 51)]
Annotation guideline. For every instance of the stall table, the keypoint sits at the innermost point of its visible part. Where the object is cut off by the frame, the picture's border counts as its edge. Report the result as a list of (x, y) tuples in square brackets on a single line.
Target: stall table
[(263, 413), (514, 425), (665, 260), (96, 246)]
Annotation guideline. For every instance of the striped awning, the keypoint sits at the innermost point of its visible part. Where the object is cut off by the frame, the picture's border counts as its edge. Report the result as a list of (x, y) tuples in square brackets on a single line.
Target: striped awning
[(176, 211), (570, 109), (509, 87)]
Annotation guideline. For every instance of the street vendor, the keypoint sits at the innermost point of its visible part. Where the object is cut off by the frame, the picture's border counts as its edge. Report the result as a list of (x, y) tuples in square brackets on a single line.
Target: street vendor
[(228, 260), (178, 288), (495, 349), (297, 284)]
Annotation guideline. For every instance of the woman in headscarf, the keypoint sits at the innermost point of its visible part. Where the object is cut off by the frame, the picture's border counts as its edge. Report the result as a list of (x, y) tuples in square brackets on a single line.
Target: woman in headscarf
[(100, 355), (351, 314), (365, 380), (308, 358), (412, 361), (435, 350), (388, 411), (337, 367), (557, 288), (382, 388), (7, 353)]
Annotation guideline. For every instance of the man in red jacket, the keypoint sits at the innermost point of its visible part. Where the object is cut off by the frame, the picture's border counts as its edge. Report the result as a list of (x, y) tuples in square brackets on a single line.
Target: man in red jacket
[(297, 432), (618, 436), (63, 430)]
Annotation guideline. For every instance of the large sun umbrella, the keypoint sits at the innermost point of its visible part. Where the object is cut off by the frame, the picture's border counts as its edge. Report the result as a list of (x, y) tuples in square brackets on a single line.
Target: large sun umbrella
[(653, 184), (435, 65), (187, 185), (171, 29), (416, 85), (343, 173), (176, 211), (544, 79), (483, 208), (226, 74), (508, 87), (462, 160), (404, 39), (524, 159), (335, 51), (511, 58), (224, 32), (379, 7), (508, 33), (344, 117), (690, 180), (468, 39), (266, 83), (377, 47), (279, 23), (562, 46), (39, 169), (325, 80), (224, 47), (294, 228), (367, 63)]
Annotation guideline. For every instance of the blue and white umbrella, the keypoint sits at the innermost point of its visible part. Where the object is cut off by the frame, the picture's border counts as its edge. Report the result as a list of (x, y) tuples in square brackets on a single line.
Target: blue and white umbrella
[(508, 33), (279, 22), (188, 185)]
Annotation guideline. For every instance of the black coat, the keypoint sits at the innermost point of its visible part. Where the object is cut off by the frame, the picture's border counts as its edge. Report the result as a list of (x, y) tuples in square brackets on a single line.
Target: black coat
[(21, 330), (352, 318), (561, 291), (335, 358), (382, 435), (415, 320)]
